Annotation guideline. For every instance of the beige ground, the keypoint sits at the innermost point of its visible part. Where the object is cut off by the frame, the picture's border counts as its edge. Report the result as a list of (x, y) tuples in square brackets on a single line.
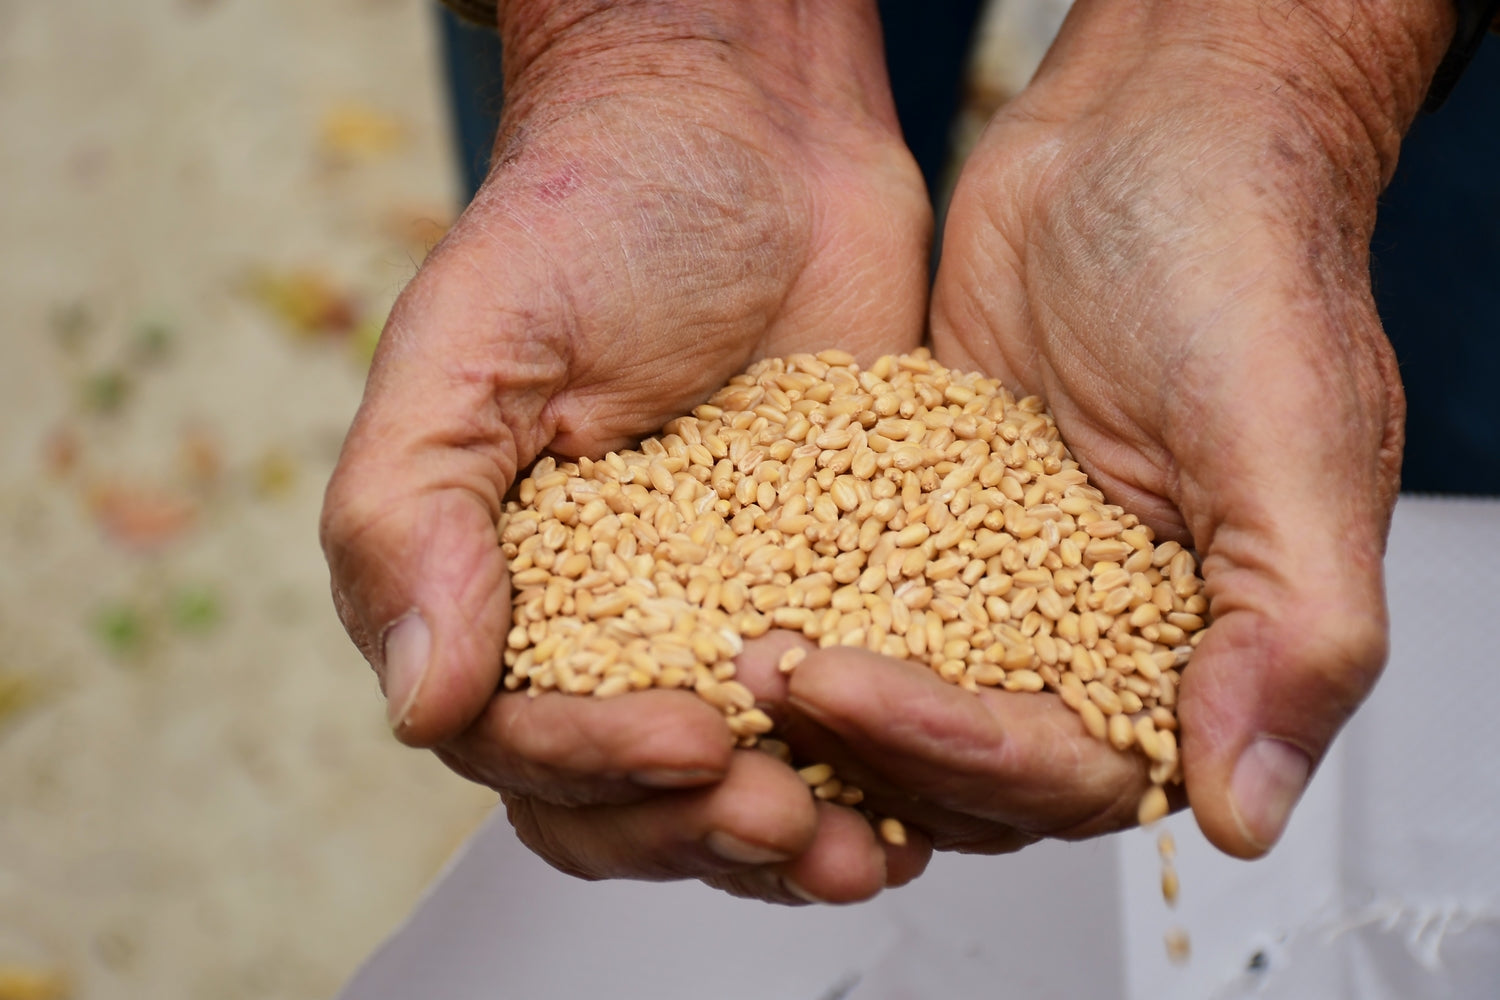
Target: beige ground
[(206, 208), (198, 797)]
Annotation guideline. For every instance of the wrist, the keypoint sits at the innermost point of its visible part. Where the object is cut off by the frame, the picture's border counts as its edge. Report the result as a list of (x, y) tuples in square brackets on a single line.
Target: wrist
[(820, 58), (1353, 73)]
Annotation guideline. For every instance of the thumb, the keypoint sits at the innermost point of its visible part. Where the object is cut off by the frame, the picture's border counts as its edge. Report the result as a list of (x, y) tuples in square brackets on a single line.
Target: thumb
[(421, 587), (410, 514), (1293, 574), (1273, 681)]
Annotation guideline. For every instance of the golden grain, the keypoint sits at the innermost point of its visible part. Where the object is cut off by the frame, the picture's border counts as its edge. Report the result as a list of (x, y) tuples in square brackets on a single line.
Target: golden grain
[(1179, 947), (816, 774), (892, 831), (830, 789), (904, 508), (1169, 885), (1153, 806)]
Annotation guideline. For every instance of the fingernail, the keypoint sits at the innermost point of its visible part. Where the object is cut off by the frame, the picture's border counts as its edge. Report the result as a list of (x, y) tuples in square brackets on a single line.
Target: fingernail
[(741, 852), (812, 711), (666, 777), (408, 642), (1268, 780), (792, 887)]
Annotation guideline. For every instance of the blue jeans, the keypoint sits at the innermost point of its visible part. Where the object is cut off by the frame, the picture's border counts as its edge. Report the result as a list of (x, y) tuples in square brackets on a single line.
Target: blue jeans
[(1436, 252)]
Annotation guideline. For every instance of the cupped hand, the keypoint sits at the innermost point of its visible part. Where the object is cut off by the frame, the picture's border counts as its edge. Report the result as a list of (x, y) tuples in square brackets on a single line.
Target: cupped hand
[(674, 194), (1165, 236)]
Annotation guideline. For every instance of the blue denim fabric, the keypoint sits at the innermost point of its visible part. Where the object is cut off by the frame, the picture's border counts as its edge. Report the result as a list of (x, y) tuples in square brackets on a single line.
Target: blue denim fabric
[(1436, 270), (471, 57)]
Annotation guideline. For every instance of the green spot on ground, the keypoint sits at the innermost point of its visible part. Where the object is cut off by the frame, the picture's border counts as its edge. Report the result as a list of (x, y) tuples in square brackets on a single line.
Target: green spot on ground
[(152, 342), (122, 630), (196, 609), (106, 391)]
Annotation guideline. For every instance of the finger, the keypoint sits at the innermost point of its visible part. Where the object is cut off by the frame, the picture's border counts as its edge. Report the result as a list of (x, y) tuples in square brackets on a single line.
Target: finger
[(923, 819), (575, 750), (572, 750), (845, 863), (1019, 760), (1291, 511), (451, 411), (907, 861), (928, 824), (422, 589), (838, 867), (759, 814), (758, 666)]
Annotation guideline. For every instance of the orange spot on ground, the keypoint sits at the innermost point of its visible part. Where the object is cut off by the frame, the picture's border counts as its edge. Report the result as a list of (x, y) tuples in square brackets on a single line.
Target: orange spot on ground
[(141, 517)]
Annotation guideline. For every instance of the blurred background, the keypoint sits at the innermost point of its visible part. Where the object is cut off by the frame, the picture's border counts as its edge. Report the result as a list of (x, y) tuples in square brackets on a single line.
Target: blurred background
[(207, 208)]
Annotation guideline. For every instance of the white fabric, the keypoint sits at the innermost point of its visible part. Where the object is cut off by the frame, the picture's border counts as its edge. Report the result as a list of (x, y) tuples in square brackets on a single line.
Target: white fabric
[(1387, 885)]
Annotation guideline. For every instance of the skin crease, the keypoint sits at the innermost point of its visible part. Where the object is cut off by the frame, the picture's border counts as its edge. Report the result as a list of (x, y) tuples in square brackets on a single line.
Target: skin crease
[(1186, 286)]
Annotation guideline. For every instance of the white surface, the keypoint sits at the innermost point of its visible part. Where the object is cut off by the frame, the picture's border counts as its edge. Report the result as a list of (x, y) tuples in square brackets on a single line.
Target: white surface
[(1385, 886), (503, 924)]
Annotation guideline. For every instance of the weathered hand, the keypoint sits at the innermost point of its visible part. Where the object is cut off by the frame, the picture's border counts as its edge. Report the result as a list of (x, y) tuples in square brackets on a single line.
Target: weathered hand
[(1165, 236), (676, 192)]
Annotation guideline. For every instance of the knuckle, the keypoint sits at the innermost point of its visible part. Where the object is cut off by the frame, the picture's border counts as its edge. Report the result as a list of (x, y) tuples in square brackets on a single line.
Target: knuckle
[(552, 739), (349, 512), (466, 769), (346, 499), (363, 638), (1343, 655), (543, 839), (485, 763)]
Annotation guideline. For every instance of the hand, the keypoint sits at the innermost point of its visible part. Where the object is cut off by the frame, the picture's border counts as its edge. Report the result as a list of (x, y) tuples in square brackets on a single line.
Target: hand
[(676, 191), (1165, 237)]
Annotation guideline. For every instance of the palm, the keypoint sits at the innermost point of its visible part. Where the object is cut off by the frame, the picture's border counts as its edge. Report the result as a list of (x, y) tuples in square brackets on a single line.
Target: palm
[(711, 237)]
